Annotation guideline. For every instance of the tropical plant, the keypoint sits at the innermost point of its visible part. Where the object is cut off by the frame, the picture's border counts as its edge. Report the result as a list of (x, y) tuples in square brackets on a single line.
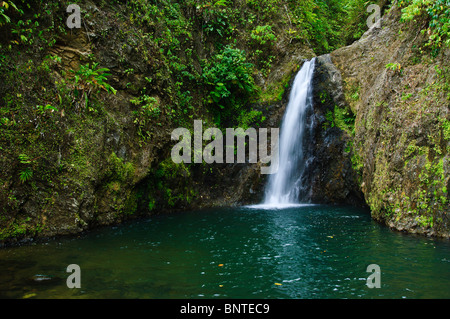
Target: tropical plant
[(263, 35), (4, 6), (26, 175), (396, 67), (90, 80), (43, 109), (438, 12), (149, 105), (229, 79)]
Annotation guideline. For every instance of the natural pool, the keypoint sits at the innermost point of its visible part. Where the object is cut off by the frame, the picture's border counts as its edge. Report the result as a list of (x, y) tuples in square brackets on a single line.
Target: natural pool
[(309, 251)]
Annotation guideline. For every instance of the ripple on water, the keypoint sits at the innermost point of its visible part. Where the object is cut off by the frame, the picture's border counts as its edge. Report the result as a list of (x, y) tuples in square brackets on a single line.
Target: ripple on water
[(311, 251)]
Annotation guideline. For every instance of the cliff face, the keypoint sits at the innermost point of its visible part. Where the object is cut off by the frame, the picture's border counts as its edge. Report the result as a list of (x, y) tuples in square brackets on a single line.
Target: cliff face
[(332, 176), (78, 150), (75, 156), (400, 146)]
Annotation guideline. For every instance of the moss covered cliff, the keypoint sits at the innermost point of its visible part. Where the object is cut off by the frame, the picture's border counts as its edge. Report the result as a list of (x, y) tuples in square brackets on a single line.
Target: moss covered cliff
[(396, 82), (86, 114)]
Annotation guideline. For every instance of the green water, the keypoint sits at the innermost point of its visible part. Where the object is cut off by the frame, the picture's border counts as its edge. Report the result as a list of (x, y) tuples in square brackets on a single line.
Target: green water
[(300, 252)]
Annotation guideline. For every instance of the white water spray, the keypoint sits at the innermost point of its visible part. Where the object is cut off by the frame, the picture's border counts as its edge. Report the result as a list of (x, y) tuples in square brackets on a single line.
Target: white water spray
[(285, 188)]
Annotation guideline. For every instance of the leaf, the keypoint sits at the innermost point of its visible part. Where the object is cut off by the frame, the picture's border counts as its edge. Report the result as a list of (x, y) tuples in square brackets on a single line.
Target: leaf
[(221, 3), (24, 159), (25, 175), (278, 284), (13, 5), (103, 70)]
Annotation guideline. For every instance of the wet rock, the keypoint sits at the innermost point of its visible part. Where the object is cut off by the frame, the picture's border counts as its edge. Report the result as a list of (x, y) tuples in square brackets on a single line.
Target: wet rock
[(47, 280), (332, 178), (397, 137)]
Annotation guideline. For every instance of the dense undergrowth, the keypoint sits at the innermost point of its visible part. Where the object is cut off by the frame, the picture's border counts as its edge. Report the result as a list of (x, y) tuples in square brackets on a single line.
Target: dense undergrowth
[(148, 66), (169, 62)]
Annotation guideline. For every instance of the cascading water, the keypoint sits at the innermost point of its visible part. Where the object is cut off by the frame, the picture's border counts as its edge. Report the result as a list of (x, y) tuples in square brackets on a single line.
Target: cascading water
[(286, 187)]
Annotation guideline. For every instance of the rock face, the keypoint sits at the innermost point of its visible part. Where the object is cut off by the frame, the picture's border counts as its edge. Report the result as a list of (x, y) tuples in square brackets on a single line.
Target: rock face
[(110, 162), (381, 132), (332, 177), (401, 133), (329, 171), (380, 135)]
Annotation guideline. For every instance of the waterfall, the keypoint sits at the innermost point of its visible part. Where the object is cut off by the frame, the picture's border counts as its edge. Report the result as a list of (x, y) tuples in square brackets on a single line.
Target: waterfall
[(286, 187)]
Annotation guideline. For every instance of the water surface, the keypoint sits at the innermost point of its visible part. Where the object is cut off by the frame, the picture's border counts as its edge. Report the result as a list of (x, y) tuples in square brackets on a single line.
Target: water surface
[(308, 251)]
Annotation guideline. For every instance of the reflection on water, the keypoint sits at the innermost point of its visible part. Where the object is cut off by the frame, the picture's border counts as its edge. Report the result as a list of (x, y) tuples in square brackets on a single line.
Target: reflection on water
[(298, 252)]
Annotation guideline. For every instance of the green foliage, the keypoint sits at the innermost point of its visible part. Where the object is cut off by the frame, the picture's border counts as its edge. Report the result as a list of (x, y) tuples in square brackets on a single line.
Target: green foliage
[(354, 22), (92, 78), (19, 228), (446, 129), (170, 185), (355, 94), (4, 6), (437, 13), (357, 163), (265, 10), (263, 41), (263, 35), (88, 81), (345, 119), (32, 23), (396, 67), (257, 24), (443, 83), (26, 175), (230, 82), (342, 118), (275, 90), (329, 24), (117, 170), (47, 108), (253, 117), (217, 23), (149, 105), (149, 111), (24, 159)]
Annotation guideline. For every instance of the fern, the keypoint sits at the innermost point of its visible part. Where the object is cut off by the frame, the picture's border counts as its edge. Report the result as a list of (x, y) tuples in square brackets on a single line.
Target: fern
[(25, 175), (90, 80)]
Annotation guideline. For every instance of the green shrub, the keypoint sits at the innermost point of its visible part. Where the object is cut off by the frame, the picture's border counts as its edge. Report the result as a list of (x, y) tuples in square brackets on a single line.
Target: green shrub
[(89, 80), (230, 82), (446, 129), (438, 14), (342, 118), (4, 6), (263, 35)]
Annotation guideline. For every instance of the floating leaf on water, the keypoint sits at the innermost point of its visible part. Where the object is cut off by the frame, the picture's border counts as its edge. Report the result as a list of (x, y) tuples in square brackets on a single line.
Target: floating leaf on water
[(220, 265), (29, 295), (278, 284)]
